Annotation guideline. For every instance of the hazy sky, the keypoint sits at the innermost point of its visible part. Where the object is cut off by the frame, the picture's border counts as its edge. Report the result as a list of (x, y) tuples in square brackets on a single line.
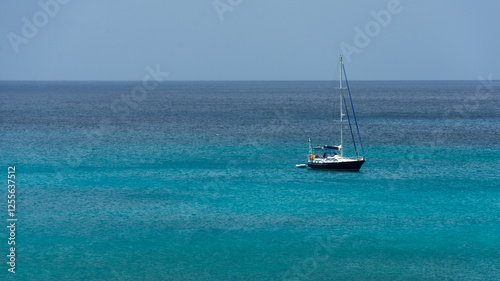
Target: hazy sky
[(249, 39)]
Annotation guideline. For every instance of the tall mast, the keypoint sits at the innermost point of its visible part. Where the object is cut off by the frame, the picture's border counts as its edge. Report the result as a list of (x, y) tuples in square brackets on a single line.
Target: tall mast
[(341, 114)]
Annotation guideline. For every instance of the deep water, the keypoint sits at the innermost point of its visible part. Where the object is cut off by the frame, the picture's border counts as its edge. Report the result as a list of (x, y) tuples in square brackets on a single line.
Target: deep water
[(197, 181)]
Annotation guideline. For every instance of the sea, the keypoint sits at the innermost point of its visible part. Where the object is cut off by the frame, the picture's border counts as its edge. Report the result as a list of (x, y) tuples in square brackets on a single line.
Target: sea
[(196, 180)]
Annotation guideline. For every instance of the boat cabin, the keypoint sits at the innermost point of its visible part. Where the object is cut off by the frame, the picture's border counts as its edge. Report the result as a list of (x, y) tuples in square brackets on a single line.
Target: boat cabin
[(323, 152)]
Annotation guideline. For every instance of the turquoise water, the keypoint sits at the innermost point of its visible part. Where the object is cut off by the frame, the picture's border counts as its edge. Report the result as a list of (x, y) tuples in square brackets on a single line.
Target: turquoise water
[(198, 182)]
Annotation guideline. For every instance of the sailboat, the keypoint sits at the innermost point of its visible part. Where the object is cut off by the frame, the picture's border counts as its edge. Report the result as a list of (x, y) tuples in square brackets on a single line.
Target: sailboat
[(333, 157)]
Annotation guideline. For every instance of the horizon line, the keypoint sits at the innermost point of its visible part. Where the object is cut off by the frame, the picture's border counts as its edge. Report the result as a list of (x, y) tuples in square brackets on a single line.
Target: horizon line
[(236, 80)]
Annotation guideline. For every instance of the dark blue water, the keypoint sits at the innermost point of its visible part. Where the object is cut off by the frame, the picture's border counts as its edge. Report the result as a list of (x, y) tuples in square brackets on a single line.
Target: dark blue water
[(197, 181)]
